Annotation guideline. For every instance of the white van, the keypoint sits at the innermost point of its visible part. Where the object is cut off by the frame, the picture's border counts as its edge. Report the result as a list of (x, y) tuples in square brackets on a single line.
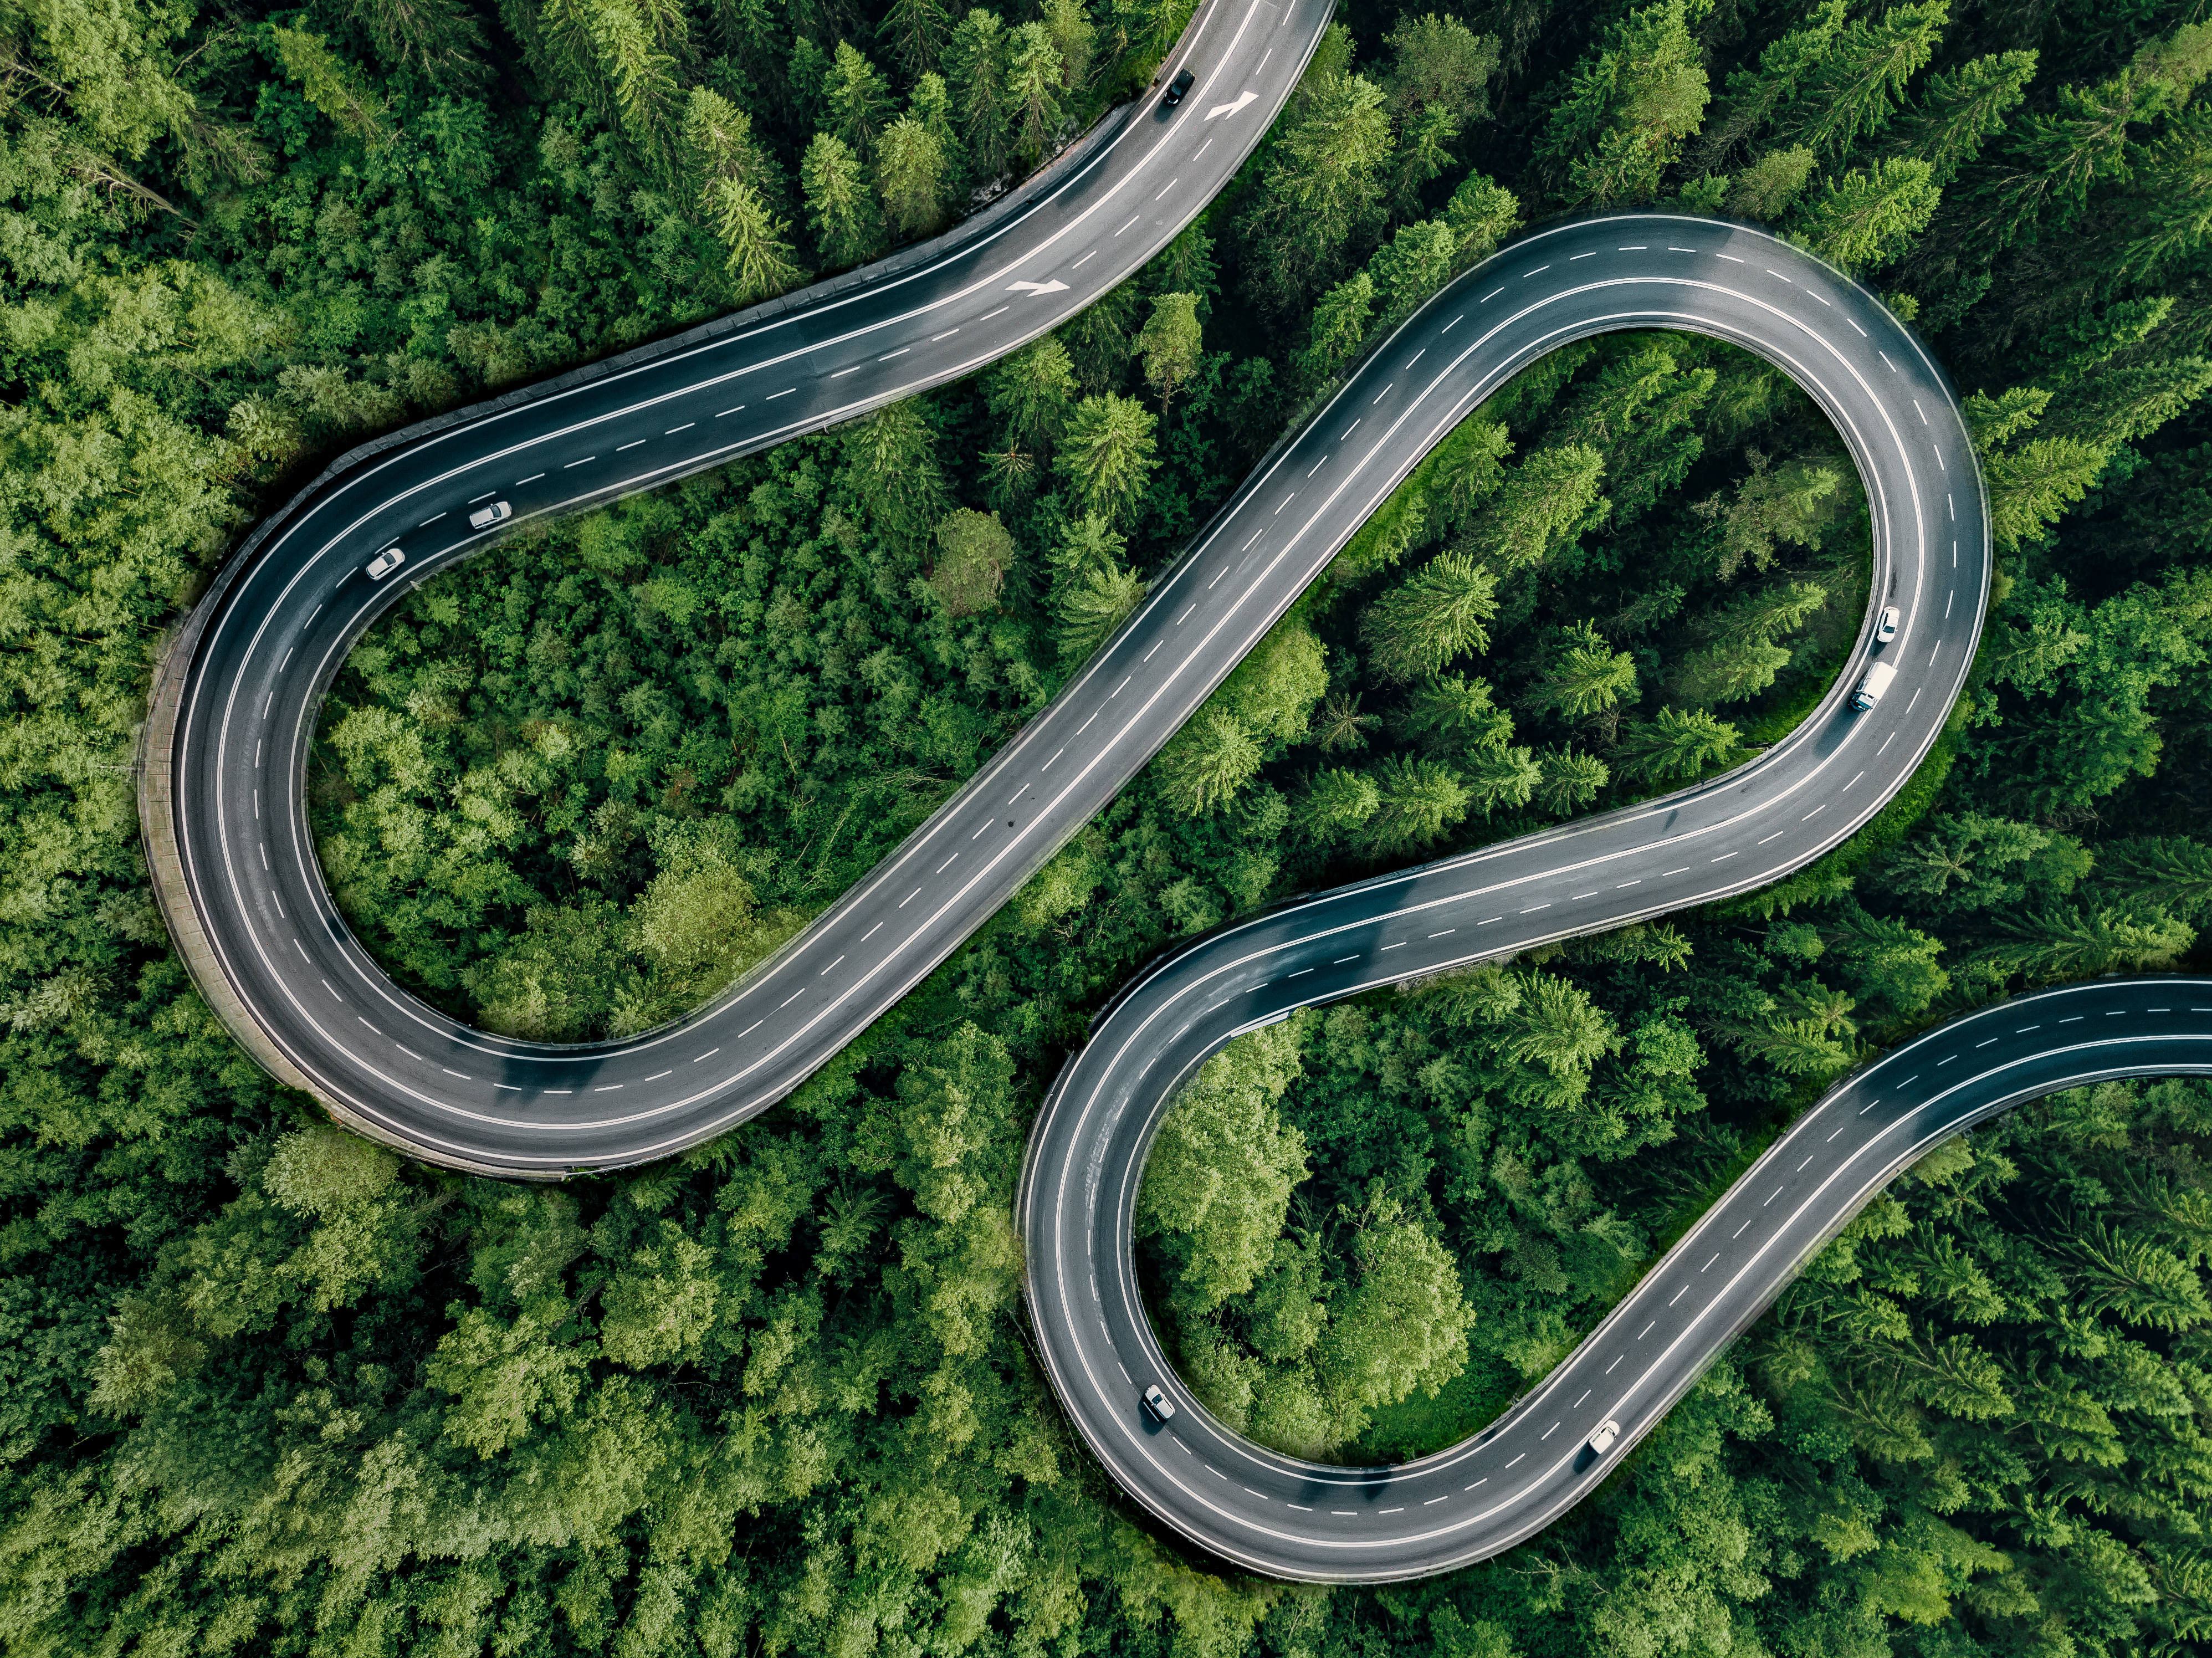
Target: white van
[(1876, 681)]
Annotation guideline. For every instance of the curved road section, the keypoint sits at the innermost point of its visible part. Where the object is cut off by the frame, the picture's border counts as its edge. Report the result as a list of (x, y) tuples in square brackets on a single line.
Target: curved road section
[(1322, 1524), (1895, 413), (223, 793)]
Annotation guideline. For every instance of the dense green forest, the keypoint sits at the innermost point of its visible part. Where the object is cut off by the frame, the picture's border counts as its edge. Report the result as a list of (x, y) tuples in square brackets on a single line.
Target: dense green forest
[(266, 1389)]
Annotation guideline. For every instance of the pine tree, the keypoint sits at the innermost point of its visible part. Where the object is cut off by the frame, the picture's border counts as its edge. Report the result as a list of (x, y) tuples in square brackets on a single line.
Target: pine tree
[(1584, 676), (913, 31), (1452, 715), (2034, 484), (1673, 744), (1956, 114), (1339, 323), (1207, 761), (895, 452), (759, 259), (1766, 188), (1031, 393), (1482, 213), (1106, 453), (1869, 217), (1338, 724), (1770, 613), (1416, 801), (1753, 98), (910, 164), (1033, 91), (1857, 82), (1572, 779), (1074, 37), (2172, 873), (976, 58), (1422, 152), (1539, 507), (1433, 615), (859, 100), (1730, 672), (1411, 266), (2071, 942), (1627, 108), (1170, 347), (839, 202), (1090, 604), (1335, 802), (438, 39), (1323, 180), (1501, 776)]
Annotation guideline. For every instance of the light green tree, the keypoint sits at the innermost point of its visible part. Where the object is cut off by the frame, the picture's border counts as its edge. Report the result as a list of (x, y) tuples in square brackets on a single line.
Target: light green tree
[(840, 204), (1032, 393), (1106, 454), (916, 180), (975, 552), (1869, 217), (1673, 744), (1416, 801), (857, 99), (1434, 614), (1627, 108), (1034, 91), (1539, 507), (1218, 1183), (1171, 344), (1206, 762), (1572, 779), (976, 59)]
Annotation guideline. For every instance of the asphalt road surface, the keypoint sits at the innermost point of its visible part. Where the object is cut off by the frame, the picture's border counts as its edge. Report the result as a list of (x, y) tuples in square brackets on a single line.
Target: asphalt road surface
[(1301, 1519), (258, 925), (252, 912)]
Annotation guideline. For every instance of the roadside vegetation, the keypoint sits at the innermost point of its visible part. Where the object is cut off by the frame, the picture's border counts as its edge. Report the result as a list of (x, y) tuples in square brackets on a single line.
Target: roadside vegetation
[(267, 1389)]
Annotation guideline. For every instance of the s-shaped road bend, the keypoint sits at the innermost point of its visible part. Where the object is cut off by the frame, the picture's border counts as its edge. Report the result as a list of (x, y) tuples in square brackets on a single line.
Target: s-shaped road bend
[(223, 793)]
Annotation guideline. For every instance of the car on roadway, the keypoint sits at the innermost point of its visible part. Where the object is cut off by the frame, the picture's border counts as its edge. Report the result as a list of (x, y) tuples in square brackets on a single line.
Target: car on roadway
[(1158, 1403), (1602, 1440), (1872, 685), (1886, 628), (384, 563), (1176, 87), (484, 517)]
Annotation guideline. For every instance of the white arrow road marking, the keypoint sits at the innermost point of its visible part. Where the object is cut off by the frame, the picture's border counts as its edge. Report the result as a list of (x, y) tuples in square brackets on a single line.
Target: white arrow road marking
[(1231, 109), (1036, 288)]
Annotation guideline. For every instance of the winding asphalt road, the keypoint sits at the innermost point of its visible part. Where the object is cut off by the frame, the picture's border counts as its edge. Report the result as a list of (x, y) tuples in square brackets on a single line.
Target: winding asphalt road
[(1302, 1520), (242, 889), (236, 702)]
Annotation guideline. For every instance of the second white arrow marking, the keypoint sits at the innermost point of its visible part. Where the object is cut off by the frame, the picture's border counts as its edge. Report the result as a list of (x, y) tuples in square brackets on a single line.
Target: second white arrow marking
[(1231, 109), (1036, 288)]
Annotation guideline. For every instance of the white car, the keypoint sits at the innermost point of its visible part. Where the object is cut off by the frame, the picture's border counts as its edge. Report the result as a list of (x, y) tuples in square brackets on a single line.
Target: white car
[(484, 517), (1602, 1440), (1158, 1404), (1886, 628), (384, 563)]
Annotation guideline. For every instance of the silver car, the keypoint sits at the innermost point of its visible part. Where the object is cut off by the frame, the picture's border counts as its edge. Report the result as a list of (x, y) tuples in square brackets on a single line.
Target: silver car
[(1886, 628), (484, 517), (384, 563), (1158, 1404)]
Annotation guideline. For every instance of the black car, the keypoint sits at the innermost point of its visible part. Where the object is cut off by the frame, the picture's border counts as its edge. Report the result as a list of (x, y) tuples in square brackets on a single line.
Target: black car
[(1176, 87)]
